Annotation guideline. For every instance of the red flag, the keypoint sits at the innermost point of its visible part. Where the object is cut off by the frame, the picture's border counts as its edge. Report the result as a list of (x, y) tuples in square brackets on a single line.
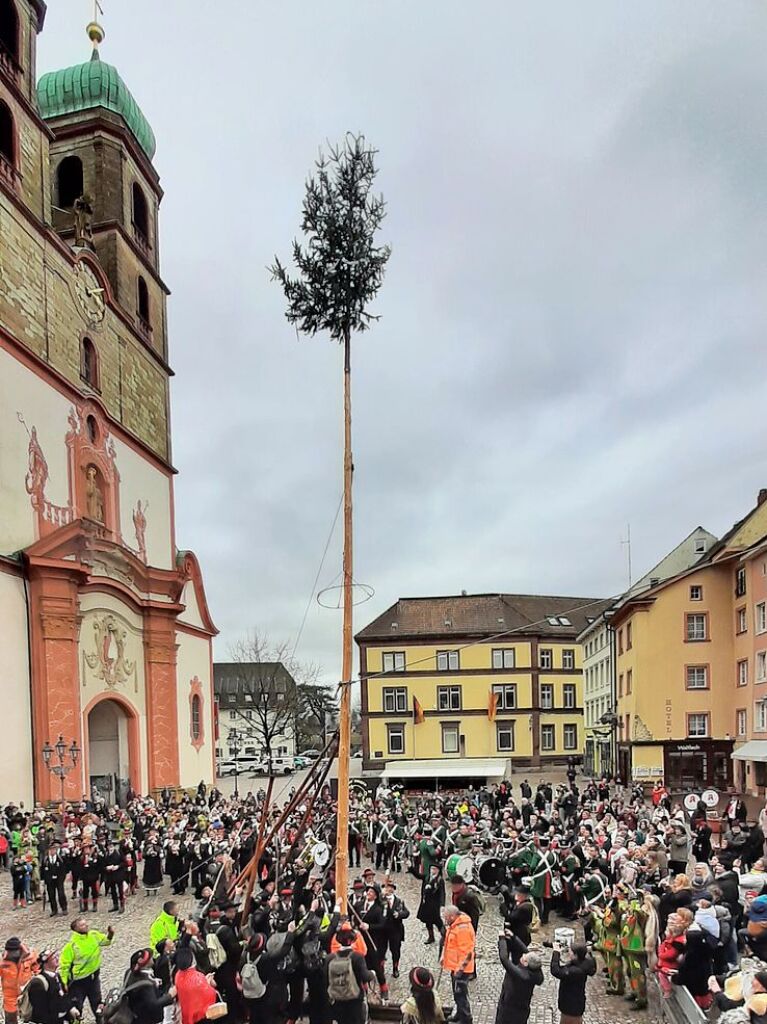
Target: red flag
[(418, 715), (492, 705)]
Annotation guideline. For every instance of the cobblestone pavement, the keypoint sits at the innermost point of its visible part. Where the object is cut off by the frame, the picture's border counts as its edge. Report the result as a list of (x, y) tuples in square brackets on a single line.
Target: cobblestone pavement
[(37, 929)]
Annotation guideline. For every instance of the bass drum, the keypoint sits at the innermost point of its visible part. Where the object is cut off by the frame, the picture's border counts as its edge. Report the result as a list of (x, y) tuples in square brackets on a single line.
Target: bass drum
[(491, 873), (459, 864)]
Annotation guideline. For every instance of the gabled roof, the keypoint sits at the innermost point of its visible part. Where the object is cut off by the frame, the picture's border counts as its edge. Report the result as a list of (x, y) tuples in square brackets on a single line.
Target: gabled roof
[(236, 678), (485, 615)]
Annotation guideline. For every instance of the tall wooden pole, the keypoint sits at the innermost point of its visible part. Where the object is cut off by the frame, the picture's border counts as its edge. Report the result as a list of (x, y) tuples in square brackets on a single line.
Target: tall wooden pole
[(345, 713)]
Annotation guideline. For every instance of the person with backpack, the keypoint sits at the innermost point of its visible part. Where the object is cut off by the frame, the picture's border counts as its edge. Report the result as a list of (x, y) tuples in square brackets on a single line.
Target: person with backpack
[(16, 968), (253, 984), (346, 978), (81, 964), (142, 992), (194, 990), (276, 968), (43, 998)]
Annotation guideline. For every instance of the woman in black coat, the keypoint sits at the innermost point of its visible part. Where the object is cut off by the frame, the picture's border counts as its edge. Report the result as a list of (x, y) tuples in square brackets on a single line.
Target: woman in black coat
[(143, 992), (696, 966), (432, 901), (519, 982)]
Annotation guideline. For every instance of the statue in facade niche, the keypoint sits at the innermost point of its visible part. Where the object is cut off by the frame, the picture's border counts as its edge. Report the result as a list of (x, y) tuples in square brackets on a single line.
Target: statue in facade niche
[(37, 477), (94, 499), (83, 222), (139, 525)]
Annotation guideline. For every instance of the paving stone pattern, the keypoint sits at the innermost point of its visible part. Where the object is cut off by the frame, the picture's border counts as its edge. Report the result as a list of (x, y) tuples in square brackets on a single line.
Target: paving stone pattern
[(36, 928)]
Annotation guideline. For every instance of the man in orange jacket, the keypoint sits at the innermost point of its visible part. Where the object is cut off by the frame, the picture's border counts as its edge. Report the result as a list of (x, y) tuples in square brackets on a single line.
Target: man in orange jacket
[(458, 959), (16, 968)]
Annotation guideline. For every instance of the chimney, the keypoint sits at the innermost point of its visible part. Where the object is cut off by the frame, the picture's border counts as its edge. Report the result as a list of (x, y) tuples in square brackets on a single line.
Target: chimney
[(463, 592), (762, 496)]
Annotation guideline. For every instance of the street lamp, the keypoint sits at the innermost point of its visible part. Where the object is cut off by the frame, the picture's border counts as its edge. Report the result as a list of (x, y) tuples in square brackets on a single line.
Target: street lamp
[(59, 767), (235, 745)]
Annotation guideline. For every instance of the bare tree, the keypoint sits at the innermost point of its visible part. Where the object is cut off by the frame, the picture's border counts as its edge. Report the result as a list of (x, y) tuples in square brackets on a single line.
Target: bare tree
[(317, 713), (275, 692)]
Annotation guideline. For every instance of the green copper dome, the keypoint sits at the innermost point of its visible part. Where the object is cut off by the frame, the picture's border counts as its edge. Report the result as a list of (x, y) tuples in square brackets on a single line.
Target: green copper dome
[(91, 85)]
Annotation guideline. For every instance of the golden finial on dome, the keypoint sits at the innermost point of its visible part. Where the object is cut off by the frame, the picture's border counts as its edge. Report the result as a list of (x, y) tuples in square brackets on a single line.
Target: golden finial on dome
[(95, 31)]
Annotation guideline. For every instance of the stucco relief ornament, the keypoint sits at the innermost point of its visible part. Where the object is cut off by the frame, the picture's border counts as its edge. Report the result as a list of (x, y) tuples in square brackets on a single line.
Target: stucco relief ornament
[(108, 660), (139, 525)]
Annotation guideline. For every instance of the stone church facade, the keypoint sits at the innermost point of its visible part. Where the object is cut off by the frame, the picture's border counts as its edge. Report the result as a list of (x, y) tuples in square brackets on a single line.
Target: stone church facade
[(105, 633)]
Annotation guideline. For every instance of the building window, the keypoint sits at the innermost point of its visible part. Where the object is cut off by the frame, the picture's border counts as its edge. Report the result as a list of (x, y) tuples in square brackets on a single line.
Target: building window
[(232, 716), (448, 661), (140, 216), (394, 699), (629, 636), (69, 182), (568, 659), (450, 739), (700, 545), (507, 697), (449, 698), (760, 617), (504, 657), (547, 737), (697, 677), (740, 581), (196, 716), (695, 627), (395, 738), (629, 681), (504, 736), (741, 723), (7, 144), (743, 672), (546, 660), (547, 696), (568, 695), (697, 724), (570, 737), (620, 641), (143, 305), (394, 661), (89, 363), (9, 34), (742, 620), (760, 716), (696, 593), (620, 685), (248, 714), (761, 666)]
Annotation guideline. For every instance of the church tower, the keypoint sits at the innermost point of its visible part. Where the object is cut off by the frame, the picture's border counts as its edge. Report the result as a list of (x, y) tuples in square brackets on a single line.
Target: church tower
[(105, 634)]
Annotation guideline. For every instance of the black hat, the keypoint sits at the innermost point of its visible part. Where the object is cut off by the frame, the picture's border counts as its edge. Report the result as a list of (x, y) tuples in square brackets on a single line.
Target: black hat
[(13, 944)]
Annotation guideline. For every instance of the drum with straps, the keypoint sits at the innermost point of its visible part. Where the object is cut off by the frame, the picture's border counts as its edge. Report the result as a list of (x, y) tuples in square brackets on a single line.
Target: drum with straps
[(460, 864), (491, 873)]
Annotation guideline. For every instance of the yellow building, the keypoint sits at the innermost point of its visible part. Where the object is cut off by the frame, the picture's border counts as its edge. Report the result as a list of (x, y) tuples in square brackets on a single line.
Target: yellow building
[(677, 655), (473, 682)]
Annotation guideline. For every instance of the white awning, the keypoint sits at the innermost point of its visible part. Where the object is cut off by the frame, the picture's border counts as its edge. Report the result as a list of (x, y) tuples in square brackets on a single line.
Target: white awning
[(754, 750), (466, 767)]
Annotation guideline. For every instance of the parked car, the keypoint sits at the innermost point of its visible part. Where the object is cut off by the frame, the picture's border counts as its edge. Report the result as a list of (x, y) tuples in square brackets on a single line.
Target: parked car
[(310, 755), (301, 761), (283, 765), (249, 764), (224, 768)]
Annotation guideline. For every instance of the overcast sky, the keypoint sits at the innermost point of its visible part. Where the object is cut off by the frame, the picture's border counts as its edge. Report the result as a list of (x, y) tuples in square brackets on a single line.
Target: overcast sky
[(573, 320)]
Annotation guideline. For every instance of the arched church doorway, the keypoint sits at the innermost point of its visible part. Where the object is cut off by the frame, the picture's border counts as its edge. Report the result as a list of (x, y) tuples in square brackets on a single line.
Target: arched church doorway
[(110, 751)]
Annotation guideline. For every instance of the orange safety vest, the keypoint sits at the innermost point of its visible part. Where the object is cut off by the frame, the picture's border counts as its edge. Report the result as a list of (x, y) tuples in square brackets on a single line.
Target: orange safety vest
[(458, 951)]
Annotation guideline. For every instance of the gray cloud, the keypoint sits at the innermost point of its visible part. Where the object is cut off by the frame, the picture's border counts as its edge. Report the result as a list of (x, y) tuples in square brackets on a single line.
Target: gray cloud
[(573, 321)]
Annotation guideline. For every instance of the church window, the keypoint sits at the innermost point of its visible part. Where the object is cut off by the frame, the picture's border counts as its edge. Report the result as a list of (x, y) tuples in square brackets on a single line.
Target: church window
[(9, 34), (196, 717), (140, 216), (143, 305), (89, 364), (7, 144), (92, 428), (69, 179)]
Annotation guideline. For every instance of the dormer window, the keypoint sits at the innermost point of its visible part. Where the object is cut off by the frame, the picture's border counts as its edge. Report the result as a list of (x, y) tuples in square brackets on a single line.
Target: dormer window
[(9, 37), (140, 216)]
